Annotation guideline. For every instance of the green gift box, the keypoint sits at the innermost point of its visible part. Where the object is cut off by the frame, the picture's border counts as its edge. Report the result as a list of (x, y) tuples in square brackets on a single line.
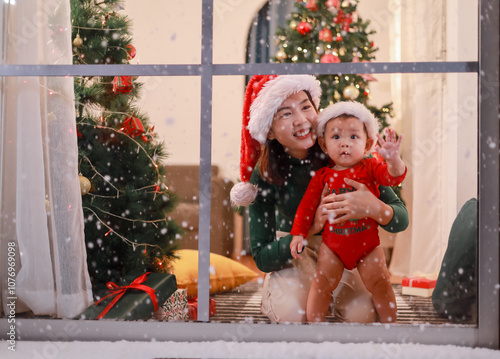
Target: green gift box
[(136, 298)]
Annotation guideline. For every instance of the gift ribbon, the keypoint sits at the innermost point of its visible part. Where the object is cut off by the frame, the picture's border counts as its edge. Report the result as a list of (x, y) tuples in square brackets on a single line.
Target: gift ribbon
[(118, 292)]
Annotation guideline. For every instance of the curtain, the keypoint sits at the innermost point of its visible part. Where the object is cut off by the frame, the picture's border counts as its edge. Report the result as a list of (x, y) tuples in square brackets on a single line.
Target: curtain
[(42, 219), (438, 117)]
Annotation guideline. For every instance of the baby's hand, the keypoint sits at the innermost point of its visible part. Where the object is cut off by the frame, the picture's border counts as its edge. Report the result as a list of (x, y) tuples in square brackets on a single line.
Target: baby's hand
[(296, 246), (389, 147)]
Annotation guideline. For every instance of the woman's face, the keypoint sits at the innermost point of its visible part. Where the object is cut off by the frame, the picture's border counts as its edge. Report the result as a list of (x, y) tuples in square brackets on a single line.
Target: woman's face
[(294, 125)]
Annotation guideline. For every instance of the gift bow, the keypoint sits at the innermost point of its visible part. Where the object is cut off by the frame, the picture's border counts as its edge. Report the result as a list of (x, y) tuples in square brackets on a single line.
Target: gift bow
[(118, 292)]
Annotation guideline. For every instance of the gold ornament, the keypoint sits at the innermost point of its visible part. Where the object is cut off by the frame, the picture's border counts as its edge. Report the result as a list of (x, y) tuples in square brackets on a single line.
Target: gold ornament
[(337, 96), (293, 24), (84, 185), (280, 55), (78, 42), (351, 92)]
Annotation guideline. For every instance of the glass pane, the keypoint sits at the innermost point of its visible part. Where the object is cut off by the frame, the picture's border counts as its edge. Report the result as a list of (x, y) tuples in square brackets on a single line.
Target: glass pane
[(437, 116), (165, 32), (152, 32), (91, 194), (345, 31)]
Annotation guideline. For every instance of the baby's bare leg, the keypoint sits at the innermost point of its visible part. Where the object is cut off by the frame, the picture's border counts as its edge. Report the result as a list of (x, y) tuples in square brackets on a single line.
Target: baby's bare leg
[(328, 273), (375, 276)]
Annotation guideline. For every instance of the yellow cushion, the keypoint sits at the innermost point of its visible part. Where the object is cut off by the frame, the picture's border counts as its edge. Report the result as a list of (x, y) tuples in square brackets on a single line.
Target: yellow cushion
[(225, 273)]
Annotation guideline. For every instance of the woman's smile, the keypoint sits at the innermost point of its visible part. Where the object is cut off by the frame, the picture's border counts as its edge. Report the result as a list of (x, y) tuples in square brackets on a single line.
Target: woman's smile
[(303, 133)]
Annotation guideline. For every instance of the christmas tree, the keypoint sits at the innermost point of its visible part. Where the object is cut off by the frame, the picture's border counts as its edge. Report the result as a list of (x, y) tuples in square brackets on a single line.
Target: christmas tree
[(125, 199), (330, 31)]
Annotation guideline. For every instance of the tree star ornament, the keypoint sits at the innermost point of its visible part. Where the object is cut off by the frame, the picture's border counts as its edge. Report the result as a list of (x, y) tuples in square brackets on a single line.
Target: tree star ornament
[(85, 185)]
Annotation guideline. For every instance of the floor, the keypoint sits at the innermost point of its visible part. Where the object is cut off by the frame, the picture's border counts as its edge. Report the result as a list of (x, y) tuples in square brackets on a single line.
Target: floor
[(249, 262), (243, 303)]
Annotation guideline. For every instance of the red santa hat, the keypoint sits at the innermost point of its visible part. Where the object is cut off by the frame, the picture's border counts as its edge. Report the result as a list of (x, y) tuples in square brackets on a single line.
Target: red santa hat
[(351, 108), (264, 95)]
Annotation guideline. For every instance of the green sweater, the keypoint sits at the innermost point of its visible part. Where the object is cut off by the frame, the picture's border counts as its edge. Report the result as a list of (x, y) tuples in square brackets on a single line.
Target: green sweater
[(274, 210)]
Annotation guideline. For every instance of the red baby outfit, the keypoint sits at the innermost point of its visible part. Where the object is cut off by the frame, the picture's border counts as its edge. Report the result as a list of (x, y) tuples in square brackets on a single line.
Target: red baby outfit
[(354, 239)]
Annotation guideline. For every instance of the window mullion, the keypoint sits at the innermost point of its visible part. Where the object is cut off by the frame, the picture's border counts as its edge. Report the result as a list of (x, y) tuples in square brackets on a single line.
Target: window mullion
[(488, 211), (205, 162)]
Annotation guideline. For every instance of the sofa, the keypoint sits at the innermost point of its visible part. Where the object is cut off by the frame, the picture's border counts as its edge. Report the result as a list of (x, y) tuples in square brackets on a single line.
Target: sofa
[(184, 181)]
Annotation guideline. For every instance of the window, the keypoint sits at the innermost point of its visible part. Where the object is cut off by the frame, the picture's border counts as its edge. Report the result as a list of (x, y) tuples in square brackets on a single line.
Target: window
[(211, 71)]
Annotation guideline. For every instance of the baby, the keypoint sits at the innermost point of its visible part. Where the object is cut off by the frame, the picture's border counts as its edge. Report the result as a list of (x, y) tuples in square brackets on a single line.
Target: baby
[(347, 132)]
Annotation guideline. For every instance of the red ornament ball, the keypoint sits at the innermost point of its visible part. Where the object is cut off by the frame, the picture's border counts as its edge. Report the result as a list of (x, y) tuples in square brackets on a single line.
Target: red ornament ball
[(325, 35), (304, 28), (312, 5), (332, 4), (329, 59)]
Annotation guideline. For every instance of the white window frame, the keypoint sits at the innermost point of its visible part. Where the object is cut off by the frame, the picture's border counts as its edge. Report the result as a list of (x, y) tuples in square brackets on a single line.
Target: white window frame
[(484, 334)]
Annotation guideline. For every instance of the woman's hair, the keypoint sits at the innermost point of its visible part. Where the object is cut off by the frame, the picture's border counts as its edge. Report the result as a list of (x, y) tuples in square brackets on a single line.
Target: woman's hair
[(273, 164)]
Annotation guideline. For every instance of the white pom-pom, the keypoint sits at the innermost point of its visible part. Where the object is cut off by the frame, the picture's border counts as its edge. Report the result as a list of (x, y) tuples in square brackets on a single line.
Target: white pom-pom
[(243, 194)]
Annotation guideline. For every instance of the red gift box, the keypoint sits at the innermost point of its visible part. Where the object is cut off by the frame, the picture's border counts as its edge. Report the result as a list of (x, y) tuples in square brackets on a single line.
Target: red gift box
[(122, 84), (133, 127), (193, 308), (419, 286)]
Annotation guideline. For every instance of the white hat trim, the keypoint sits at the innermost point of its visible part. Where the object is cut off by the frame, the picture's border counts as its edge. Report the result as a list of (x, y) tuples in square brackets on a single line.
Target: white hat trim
[(272, 95)]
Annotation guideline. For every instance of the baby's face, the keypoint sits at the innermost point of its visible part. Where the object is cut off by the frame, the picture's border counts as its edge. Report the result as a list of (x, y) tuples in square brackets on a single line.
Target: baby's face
[(345, 141)]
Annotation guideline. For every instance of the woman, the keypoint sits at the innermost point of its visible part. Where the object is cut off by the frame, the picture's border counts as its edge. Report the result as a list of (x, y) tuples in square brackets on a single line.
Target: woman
[(278, 134)]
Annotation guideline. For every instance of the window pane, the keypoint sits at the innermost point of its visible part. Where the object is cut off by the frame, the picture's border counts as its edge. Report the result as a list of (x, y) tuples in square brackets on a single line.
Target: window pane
[(166, 32), (381, 30), (152, 32), (107, 208), (437, 116)]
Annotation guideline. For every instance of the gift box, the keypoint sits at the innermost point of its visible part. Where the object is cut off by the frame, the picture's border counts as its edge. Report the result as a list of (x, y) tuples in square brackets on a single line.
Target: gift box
[(193, 308), (133, 127), (174, 308), (136, 298), (418, 286), (122, 84)]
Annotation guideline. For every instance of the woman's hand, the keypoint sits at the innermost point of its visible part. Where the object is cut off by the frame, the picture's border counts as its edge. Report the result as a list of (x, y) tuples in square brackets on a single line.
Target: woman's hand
[(358, 204), (322, 213)]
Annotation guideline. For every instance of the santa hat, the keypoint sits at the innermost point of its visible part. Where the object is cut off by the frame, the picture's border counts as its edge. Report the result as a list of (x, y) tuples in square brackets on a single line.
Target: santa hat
[(264, 95), (351, 108)]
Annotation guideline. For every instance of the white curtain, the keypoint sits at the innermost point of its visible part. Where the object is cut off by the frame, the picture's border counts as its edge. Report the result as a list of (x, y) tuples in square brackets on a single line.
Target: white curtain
[(438, 117), (40, 198)]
